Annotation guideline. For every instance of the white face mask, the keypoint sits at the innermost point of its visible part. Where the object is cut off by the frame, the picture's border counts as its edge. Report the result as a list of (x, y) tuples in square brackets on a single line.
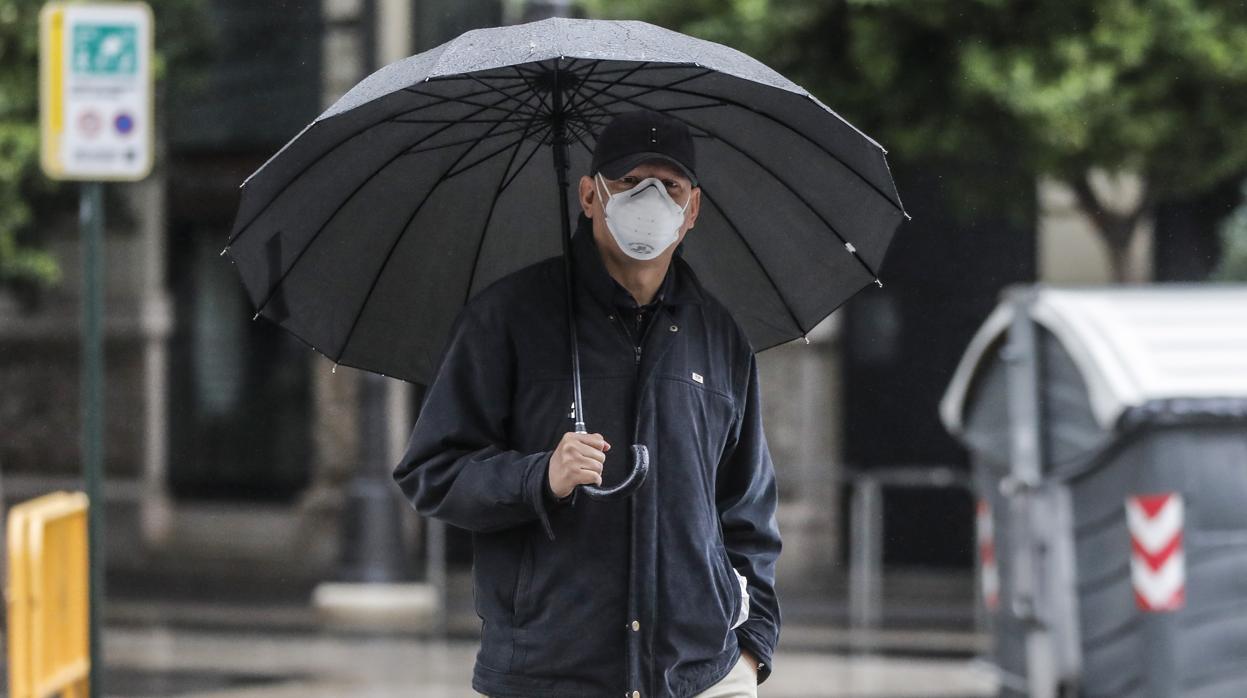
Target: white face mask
[(644, 220)]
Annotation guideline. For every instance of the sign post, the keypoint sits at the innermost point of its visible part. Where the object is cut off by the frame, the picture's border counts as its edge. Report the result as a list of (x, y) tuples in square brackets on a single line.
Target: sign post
[(96, 125)]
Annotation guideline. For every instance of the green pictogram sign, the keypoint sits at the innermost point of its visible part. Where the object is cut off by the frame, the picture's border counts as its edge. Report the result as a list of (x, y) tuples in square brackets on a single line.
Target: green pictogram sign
[(105, 49)]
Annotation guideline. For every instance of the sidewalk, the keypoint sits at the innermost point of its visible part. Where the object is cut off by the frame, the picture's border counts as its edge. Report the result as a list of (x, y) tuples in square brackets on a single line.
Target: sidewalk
[(176, 638), (151, 662)]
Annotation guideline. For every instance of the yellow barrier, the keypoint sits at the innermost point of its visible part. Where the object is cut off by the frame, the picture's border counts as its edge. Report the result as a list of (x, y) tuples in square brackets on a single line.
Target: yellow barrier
[(47, 597)]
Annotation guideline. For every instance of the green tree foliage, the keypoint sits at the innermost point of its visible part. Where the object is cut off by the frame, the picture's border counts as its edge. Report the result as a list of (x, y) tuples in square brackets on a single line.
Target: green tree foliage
[(26, 195), (1151, 87), (20, 180)]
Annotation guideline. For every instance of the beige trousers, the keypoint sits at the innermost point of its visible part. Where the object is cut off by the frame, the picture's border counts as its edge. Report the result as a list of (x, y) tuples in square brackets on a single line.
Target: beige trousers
[(740, 682)]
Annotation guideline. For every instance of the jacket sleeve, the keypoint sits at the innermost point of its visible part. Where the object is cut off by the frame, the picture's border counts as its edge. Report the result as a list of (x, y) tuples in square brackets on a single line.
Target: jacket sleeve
[(458, 467), (747, 498)]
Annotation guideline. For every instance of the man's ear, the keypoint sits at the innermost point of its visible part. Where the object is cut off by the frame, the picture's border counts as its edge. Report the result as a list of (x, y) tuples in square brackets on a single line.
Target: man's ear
[(588, 195), (694, 206)]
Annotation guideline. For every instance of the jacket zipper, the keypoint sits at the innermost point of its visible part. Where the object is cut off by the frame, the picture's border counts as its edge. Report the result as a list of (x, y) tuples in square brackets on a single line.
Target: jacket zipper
[(637, 388), (636, 345)]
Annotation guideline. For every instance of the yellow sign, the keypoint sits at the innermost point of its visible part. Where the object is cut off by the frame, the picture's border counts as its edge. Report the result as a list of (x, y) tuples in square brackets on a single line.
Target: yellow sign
[(95, 93)]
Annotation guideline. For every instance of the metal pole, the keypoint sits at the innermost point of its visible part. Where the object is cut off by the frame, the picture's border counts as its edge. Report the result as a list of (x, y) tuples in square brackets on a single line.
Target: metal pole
[(372, 542), (435, 555), (559, 143), (91, 221), (1022, 489), (866, 553)]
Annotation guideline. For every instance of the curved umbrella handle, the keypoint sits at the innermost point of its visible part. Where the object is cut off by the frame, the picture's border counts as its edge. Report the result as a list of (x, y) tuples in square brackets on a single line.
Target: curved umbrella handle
[(640, 468)]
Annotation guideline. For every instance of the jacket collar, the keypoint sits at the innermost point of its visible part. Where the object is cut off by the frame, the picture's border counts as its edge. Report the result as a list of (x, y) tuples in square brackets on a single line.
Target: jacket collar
[(679, 286)]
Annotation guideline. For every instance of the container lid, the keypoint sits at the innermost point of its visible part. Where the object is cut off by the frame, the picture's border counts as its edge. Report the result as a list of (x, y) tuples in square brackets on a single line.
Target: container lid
[(1132, 345)]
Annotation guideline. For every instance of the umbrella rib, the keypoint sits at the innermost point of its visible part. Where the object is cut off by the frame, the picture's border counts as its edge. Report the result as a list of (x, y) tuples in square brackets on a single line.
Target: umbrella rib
[(523, 104), (538, 135), (545, 107), (441, 146), (440, 101), (731, 102), (599, 110), (783, 299), (599, 118), (488, 156), (576, 128), (583, 120), (450, 121), (581, 78), (649, 89), (346, 342), (494, 107), (582, 142), (502, 91), (493, 204), (340, 206), (607, 85), (785, 184)]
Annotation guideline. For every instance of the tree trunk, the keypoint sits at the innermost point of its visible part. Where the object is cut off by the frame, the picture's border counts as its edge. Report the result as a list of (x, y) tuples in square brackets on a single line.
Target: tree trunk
[(1118, 259), (1116, 230)]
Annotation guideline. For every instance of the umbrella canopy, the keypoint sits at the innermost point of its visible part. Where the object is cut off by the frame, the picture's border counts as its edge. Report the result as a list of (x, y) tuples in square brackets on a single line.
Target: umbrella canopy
[(435, 176)]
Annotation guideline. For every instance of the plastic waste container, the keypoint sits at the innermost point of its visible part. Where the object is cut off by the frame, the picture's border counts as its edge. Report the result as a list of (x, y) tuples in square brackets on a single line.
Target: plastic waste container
[(1107, 431)]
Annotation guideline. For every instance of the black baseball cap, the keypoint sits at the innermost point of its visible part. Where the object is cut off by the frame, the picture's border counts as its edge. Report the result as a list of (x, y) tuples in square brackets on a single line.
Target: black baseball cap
[(633, 137)]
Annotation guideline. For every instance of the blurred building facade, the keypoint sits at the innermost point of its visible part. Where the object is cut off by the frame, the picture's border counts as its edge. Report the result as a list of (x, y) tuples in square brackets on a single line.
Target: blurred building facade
[(231, 446)]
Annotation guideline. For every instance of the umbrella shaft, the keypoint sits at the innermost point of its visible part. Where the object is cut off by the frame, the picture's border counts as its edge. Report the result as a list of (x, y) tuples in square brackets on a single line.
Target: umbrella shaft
[(559, 143)]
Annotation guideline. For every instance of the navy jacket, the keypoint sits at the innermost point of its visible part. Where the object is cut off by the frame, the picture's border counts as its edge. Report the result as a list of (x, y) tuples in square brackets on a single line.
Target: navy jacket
[(581, 597)]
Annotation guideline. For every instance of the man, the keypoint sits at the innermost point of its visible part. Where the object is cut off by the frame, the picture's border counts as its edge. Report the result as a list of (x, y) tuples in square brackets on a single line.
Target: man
[(669, 592)]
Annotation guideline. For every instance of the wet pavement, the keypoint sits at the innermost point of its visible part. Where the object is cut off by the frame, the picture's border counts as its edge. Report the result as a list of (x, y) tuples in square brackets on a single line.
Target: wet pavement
[(187, 639), (186, 649), (154, 661)]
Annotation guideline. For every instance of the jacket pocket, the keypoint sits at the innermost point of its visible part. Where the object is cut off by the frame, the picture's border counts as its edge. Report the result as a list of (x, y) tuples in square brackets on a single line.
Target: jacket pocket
[(523, 582), (742, 614), (496, 561), (731, 579)]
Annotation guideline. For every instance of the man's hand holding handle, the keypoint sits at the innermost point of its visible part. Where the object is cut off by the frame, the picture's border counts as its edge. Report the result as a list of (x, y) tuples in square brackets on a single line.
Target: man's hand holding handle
[(577, 460)]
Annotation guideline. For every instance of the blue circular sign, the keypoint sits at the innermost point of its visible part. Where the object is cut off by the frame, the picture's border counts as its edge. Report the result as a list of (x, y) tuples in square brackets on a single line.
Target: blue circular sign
[(124, 123)]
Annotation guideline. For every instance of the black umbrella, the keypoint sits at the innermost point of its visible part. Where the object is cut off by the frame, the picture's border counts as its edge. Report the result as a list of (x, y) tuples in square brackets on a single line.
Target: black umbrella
[(445, 171)]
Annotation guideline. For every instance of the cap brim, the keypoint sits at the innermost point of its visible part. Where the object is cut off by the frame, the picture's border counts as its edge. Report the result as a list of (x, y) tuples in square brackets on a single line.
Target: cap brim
[(620, 166)]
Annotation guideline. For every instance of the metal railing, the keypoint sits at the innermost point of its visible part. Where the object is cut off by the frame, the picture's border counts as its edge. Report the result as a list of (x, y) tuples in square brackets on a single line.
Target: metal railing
[(866, 528)]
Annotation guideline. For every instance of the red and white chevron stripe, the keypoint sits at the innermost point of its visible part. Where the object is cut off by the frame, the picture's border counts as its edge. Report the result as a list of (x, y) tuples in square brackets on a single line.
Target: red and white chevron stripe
[(989, 573), (1157, 564)]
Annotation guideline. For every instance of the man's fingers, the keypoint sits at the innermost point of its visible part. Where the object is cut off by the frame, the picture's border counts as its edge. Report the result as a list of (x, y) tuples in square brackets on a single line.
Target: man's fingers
[(591, 467), (584, 476), (590, 453), (574, 452), (597, 441), (588, 459), (600, 442)]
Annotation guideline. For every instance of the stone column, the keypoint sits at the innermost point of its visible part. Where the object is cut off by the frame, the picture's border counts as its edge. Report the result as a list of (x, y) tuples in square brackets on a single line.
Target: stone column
[(335, 390), (147, 199), (801, 402)]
